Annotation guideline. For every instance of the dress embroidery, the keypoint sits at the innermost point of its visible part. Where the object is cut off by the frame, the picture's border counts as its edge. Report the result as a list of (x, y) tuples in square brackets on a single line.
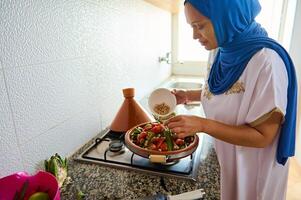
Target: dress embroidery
[(236, 88), (207, 92)]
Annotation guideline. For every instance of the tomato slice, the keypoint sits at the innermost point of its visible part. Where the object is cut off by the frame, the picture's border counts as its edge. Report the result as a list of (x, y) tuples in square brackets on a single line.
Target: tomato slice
[(160, 141), (142, 135), (157, 129), (147, 127), (163, 146), (154, 136), (180, 141)]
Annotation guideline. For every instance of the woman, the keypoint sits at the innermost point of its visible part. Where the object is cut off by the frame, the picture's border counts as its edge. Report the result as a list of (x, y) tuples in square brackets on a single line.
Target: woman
[(249, 99)]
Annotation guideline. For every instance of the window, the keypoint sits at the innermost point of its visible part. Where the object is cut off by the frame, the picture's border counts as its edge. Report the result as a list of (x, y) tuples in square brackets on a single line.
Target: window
[(270, 16), (189, 49), (190, 58)]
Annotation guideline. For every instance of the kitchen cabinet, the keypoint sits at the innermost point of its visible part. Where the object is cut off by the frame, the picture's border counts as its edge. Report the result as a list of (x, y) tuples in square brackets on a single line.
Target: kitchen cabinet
[(168, 5)]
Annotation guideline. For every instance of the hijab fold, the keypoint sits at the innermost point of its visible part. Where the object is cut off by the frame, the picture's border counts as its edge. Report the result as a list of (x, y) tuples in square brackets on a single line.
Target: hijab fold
[(239, 37)]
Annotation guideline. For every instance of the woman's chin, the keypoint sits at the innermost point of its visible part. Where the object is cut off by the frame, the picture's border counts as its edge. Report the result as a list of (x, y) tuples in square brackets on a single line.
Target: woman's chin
[(208, 48)]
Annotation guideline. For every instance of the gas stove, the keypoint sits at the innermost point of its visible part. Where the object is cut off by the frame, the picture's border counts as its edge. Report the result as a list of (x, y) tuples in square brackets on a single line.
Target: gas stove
[(110, 150)]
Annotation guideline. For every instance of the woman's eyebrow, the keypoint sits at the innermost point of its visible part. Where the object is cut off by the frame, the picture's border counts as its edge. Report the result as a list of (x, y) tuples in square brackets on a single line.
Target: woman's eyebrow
[(198, 22)]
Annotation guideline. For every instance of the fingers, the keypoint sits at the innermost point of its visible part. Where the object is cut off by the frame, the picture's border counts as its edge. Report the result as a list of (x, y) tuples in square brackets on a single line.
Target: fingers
[(177, 93), (172, 125), (179, 132), (176, 130), (173, 119)]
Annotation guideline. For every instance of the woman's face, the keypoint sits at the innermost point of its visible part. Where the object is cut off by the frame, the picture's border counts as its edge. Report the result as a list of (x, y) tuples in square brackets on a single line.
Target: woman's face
[(203, 30)]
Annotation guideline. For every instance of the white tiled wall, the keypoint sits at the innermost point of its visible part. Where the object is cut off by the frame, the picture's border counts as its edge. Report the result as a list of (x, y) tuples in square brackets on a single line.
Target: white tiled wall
[(63, 65), (10, 159)]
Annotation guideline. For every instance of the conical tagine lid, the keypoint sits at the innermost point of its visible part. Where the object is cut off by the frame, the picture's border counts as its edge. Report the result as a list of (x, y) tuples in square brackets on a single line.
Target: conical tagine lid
[(130, 114)]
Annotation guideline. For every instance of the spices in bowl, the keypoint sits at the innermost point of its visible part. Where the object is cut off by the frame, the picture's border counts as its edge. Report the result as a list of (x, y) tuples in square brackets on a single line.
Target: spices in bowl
[(162, 102), (162, 109)]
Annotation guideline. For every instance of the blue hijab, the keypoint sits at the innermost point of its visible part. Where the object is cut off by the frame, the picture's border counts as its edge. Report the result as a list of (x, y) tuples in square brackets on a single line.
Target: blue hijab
[(239, 37)]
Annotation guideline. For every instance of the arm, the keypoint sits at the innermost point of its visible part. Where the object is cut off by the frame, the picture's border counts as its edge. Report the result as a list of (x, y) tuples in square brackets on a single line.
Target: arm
[(194, 95), (184, 96), (259, 136)]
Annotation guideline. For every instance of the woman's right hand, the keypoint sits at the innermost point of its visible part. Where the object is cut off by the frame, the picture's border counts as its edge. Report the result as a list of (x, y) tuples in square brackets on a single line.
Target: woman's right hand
[(181, 96)]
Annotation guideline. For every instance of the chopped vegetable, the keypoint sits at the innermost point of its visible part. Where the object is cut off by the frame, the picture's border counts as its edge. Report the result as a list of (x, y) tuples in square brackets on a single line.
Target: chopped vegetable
[(157, 128), (180, 142), (167, 134), (147, 127), (80, 195), (155, 136)]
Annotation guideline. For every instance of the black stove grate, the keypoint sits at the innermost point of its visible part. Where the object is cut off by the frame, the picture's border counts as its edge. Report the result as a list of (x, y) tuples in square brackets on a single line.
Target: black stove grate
[(182, 167)]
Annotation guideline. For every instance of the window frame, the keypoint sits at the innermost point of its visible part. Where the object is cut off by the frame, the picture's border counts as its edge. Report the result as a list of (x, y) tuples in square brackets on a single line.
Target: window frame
[(194, 68)]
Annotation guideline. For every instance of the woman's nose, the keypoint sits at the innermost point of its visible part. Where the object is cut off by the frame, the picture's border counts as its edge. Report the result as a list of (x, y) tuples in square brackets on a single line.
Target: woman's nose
[(195, 34)]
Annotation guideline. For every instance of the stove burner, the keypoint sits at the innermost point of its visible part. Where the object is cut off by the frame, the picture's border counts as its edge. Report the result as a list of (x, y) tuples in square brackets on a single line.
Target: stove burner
[(110, 150), (115, 146)]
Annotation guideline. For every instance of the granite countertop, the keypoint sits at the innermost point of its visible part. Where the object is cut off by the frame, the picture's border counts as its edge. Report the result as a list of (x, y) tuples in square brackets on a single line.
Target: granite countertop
[(100, 182)]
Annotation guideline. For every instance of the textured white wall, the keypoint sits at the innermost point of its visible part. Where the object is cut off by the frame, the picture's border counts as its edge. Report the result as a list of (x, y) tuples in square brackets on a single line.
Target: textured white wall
[(296, 56), (63, 64)]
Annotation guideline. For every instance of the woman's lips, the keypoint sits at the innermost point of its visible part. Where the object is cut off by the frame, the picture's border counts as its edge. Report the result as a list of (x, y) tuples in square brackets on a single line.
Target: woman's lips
[(203, 42)]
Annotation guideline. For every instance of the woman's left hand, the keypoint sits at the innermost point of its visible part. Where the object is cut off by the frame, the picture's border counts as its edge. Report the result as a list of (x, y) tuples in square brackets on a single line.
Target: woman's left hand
[(184, 125)]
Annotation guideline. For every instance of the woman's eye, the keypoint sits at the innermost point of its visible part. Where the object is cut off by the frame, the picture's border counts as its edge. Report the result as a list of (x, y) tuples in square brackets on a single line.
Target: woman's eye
[(200, 27)]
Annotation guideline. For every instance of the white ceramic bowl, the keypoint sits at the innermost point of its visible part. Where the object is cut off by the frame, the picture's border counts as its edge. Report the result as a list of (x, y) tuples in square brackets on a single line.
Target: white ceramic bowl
[(159, 96)]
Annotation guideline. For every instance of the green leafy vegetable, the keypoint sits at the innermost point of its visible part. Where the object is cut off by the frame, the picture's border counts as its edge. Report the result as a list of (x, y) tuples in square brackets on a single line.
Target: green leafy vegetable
[(80, 195), (58, 167), (169, 141)]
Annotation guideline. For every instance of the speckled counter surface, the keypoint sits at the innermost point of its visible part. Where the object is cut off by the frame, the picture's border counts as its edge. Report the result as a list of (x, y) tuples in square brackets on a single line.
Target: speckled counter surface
[(99, 182)]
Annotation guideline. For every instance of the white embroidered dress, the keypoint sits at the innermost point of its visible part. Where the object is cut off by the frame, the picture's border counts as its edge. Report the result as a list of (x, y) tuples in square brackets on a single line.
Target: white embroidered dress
[(251, 173)]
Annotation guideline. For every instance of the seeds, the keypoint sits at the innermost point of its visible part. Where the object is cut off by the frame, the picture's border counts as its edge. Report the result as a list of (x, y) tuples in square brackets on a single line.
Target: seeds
[(162, 109)]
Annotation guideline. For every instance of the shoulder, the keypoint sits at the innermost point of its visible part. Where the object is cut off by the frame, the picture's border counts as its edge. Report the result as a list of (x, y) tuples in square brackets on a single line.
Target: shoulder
[(267, 61), (267, 58)]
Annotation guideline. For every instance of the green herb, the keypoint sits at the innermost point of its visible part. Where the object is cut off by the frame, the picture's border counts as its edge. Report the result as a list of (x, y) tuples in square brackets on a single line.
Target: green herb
[(80, 195), (58, 167), (137, 131), (169, 141), (147, 126)]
